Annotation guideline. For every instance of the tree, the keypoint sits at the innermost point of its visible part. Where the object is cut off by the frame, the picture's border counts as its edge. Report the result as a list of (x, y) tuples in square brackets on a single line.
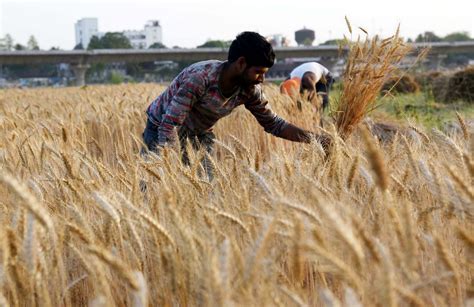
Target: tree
[(427, 37), (8, 42), (308, 42), (19, 47), (32, 43), (333, 42), (457, 37), (215, 44), (157, 45), (111, 40), (79, 46), (115, 40), (94, 43)]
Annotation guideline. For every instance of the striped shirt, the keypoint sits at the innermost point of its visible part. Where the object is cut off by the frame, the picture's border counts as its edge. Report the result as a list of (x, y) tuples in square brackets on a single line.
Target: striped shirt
[(194, 100)]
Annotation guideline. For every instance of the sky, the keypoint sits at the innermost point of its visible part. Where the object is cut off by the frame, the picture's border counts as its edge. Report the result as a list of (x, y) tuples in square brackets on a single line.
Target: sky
[(191, 23)]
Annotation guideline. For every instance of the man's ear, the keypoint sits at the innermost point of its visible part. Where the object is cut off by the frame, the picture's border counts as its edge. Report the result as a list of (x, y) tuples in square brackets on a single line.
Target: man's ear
[(241, 64)]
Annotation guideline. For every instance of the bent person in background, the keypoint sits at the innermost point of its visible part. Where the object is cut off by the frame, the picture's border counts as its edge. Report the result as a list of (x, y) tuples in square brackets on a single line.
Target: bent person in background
[(311, 79), (207, 91)]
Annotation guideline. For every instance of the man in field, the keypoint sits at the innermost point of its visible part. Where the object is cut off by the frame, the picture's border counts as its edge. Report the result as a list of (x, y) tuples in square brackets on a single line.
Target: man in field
[(311, 77), (206, 91)]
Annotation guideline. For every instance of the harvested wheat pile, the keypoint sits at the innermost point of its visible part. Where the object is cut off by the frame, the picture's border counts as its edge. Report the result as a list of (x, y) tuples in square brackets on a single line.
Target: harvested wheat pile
[(453, 87), (369, 65), (461, 86), (401, 85), (439, 87), (425, 80)]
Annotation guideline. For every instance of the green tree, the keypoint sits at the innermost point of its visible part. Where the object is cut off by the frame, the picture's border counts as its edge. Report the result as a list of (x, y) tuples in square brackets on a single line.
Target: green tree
[(94, 43), (157, 45), (428, 36), (215, 44), (19, 47), (115, 78), (457, 37), (111, 40), (115, 40), (308, 42), (8, 42), (32, 43), (333, 42)]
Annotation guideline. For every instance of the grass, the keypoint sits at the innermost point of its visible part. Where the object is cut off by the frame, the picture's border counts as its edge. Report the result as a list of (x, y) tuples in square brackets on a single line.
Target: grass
[(372, 224), (422, 108)]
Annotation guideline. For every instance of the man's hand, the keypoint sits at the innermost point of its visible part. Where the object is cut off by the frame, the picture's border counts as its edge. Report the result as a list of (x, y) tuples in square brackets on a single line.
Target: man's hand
[(325, 140), (299, 104), (296, 134), (311, 95)]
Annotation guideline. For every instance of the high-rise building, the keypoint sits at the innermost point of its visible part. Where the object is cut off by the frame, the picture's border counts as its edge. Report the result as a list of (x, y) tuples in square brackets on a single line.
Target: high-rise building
[(153, 32), (85, 29)]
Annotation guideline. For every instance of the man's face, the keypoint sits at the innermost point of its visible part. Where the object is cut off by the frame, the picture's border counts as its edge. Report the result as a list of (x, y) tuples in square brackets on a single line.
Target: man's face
[(253, 75)]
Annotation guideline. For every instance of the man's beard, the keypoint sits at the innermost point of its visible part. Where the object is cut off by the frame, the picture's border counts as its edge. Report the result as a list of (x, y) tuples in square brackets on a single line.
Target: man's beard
[(246, 82)]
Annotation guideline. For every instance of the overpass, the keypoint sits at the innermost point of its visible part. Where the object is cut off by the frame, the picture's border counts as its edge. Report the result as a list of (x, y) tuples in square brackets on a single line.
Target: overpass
[(81, 59)]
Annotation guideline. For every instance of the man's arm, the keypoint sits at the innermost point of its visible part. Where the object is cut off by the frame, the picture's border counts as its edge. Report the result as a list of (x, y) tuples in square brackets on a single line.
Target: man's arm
[(179, 107), (323, 87), (257, 104), (295, 134), (272, 123), (308, 83)]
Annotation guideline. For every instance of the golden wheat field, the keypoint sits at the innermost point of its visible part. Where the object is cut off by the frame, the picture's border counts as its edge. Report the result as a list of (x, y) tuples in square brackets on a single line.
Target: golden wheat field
[(373, 224)]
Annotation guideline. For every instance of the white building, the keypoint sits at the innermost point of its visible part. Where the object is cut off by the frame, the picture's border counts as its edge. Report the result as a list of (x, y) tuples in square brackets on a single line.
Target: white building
[(139, 39), (85, 29), (150, 35), (278, 40)]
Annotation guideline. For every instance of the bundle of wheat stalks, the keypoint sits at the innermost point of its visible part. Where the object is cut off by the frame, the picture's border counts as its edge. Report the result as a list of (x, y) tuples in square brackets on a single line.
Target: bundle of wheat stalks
[(370, 64), (281, 224)]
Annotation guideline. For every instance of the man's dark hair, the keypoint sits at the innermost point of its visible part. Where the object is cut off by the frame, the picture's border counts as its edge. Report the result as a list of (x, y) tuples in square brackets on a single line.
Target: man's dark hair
[(256, 50)]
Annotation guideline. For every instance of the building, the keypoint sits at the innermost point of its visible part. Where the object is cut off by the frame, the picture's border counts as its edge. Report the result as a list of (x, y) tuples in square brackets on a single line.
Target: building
[(85, 29), (150, 35), (278, 40), (153, 32)]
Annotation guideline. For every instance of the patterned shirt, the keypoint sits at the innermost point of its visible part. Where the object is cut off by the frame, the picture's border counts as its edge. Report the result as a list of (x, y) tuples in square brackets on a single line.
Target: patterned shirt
[(194, 100)]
